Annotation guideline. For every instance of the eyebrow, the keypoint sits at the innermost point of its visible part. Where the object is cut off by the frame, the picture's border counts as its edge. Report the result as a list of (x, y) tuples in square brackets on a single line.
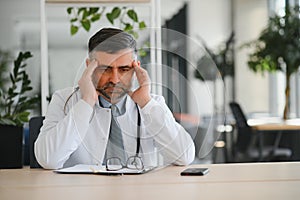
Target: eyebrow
[(107, 66), (125, 66)]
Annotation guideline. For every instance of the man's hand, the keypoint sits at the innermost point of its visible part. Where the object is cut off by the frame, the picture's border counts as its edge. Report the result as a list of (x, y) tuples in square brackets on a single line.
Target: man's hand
[(86, 85), (141, 96)]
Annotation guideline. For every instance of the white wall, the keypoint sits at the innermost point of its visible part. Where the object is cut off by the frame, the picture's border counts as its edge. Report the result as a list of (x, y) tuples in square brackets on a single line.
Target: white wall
[(11, 12), (251, 88), (211, 21)]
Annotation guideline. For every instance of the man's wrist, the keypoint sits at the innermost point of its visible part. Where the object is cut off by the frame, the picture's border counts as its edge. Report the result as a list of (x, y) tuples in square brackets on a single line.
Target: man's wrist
[(143, 101), (90, 101)]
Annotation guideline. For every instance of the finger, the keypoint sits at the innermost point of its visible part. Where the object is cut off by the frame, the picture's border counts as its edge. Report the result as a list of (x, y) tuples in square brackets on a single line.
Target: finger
[(141, 74), (91, 67), (135, 63)]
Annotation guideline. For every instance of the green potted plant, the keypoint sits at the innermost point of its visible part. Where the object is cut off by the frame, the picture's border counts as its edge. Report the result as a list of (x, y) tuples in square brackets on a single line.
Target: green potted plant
[(278, 48), (14, 111)]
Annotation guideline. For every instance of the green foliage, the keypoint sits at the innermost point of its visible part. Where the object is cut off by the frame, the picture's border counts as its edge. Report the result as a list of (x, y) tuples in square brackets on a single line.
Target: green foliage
[(85, 16), (278, 48), (114, 14), (4, 61), (14, 103), (278, 44)]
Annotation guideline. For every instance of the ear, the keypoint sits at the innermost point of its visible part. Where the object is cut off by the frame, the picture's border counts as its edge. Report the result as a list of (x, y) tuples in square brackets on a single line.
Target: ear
[(87, 62)]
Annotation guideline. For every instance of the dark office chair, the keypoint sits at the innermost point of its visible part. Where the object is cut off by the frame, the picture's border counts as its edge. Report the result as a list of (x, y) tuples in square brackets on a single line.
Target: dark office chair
[(245, 148), (35, 123)]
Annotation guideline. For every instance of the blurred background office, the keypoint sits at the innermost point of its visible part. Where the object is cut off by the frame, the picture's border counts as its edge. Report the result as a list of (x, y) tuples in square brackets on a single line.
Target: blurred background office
[(203, 24)]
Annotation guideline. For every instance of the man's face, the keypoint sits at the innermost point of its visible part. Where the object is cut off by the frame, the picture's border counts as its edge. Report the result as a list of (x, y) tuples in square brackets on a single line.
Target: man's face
[(112, 78)]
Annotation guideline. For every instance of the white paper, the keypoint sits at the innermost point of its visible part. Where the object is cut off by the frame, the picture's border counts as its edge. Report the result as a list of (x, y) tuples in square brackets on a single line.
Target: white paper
[(96, 169)]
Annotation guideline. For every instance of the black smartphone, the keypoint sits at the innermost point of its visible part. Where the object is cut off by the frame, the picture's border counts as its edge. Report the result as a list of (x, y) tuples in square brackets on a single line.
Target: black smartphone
[(194, 172)]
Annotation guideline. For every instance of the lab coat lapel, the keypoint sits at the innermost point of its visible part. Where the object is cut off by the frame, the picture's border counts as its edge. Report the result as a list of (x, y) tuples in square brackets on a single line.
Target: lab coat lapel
[(100, 126), (128, 124)]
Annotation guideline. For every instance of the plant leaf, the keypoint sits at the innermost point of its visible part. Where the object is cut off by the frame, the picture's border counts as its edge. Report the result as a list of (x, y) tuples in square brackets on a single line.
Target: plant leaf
[(142, 25), (23, 116), (74, 29), (116, 12), (128, 27), (81, 9), (12, 78), (85, 14), (69, 10), (86, 24), (110, 18), (95, 17), (93, 10), (16, 68), (22, 99), (73, 20), (132, 14), (26, 55), (7, 121)]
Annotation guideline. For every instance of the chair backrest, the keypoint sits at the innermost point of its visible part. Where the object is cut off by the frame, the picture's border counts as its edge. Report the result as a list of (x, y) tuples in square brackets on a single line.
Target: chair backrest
[(238, 114), (244, 130), (35, 123)]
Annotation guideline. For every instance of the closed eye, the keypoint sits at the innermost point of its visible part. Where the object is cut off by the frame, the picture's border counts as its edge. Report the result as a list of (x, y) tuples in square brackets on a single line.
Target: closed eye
[(125, 68), (102, 67)]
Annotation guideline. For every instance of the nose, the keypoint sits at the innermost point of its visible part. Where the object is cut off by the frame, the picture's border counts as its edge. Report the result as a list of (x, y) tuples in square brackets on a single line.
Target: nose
[(115, 75)]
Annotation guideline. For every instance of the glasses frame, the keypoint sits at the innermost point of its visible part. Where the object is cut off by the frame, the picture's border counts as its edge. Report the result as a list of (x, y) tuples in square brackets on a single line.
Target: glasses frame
[(122, 166)]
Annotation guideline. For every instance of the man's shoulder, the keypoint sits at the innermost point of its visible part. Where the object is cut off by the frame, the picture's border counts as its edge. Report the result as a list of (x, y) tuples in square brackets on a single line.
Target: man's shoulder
[(66, 92), (157, 97)]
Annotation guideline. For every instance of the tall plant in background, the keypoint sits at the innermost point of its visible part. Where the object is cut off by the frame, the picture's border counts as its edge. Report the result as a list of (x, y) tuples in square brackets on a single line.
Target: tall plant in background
[(278, 48), (14, 101)]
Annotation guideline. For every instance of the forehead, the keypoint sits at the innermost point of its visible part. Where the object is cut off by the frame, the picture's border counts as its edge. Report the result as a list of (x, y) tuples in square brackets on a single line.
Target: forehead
[(123, 57)]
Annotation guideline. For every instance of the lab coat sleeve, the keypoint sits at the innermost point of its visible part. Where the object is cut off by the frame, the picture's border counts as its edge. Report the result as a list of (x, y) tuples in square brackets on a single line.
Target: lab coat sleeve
[(61, 134), (174, 143)]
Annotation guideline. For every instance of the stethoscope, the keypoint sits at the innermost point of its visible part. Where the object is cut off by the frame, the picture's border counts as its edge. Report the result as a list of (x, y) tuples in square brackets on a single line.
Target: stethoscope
[(138, 131)]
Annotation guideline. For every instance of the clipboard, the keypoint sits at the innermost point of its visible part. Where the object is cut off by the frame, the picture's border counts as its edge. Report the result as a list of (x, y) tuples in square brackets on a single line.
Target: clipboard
[(101, 170)]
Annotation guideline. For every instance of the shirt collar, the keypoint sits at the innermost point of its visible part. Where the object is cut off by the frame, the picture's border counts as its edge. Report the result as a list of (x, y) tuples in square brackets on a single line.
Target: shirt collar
[(120, 105)]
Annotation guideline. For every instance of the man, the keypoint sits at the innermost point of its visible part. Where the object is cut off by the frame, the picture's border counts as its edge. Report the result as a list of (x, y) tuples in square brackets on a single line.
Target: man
[(80, 122)]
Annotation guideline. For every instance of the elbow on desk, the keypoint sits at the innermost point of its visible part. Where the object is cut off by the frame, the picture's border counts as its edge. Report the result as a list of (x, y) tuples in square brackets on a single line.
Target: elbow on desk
[(44, 159), (187, 157), (48, 164)]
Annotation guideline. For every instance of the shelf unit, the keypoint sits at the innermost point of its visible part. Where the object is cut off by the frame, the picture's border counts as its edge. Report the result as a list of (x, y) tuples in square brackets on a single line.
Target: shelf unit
[(155, 40)]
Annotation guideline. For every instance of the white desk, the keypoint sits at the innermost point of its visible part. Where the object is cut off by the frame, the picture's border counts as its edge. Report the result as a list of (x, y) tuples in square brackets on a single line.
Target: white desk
[(224, 181)]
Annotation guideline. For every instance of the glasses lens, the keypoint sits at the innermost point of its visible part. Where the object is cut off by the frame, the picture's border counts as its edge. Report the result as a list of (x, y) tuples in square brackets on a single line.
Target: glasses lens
[(135, 163), (113, 164)]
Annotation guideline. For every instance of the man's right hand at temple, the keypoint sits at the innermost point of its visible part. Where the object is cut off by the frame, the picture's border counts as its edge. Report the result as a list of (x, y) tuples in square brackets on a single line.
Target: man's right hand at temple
[(86, 85)]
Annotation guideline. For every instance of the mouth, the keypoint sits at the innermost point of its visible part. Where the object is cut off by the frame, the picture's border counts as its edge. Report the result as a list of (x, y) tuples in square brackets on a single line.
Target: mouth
[(112, 92)]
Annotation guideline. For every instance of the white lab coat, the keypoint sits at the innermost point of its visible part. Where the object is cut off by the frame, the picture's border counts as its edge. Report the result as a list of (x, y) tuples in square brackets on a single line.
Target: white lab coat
[(80, 136)]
